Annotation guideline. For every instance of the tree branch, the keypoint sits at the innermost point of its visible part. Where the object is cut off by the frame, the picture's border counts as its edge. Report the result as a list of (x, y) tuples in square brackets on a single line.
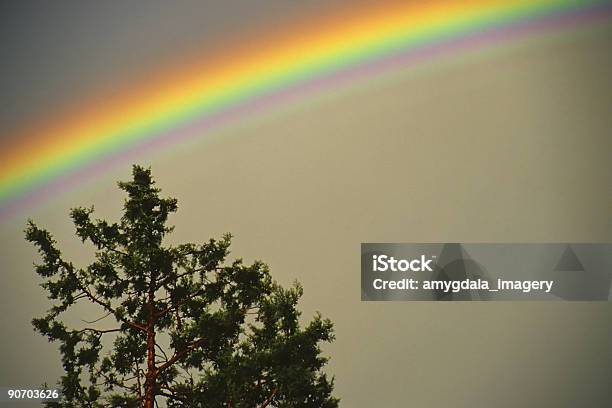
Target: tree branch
[(138, 381), (162, 351), (269, 399), (98, 331), (181, 302), (109, 308), (98, 319), (179, 355), (102, 242), (202, 268)]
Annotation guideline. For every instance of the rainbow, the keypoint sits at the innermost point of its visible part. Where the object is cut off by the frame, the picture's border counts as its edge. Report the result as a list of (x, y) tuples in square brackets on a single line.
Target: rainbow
[(208, 92)]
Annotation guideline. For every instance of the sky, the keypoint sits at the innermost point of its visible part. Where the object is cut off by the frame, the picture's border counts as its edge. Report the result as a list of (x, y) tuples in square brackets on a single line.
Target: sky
[(507, 144)]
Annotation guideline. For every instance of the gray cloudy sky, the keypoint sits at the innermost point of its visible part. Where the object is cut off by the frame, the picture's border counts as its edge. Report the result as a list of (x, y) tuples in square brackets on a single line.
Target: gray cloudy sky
[(510, 146)]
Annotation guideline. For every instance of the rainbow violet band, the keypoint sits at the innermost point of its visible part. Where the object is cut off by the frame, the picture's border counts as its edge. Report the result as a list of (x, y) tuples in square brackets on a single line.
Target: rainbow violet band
[(190, 101)]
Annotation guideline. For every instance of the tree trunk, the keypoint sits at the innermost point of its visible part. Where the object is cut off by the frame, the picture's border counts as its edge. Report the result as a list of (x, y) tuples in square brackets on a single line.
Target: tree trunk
[(149, 399), (150, 378)]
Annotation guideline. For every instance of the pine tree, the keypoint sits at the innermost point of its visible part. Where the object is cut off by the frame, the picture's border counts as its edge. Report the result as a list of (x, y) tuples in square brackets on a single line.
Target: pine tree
[(178, 324)]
